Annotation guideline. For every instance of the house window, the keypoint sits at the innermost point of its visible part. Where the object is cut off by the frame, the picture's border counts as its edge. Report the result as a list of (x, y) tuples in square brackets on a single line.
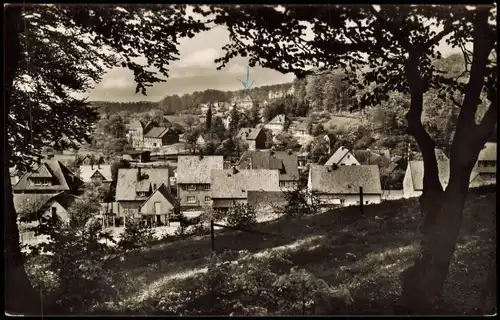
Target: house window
[(282, 183), (342, 201), (366, 202), (342, 164), (191, 199), (154, 186), (207, 187), (54, 211), (191, 187), (141, 194), (207, 199)]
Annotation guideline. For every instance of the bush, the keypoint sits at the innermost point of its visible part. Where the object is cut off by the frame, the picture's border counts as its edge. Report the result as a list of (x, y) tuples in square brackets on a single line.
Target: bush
[(241, 215), (250, 286), (75, 279), (136, 234)]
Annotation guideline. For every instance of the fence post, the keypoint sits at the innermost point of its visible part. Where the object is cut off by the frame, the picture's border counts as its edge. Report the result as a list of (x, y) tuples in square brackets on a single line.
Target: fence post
[(361, 200), (212, 234)]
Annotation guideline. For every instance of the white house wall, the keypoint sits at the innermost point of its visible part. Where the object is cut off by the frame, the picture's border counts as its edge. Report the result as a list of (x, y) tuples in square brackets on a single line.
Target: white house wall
[(349, 199), (61, 212)]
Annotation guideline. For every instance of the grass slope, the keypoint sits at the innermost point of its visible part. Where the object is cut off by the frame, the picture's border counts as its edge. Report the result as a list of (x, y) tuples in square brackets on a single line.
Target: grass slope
[(363, 254)]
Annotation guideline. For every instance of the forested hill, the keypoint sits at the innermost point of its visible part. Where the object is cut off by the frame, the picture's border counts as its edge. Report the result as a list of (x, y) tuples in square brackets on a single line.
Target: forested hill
[(321, 92), (174, 103)]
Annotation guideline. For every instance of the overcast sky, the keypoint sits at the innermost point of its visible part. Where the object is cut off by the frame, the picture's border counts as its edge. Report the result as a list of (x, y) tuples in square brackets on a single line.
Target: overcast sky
[(194, 71)]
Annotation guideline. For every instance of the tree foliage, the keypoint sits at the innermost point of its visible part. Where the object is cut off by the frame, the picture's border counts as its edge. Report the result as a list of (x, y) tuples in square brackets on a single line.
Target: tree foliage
[(54, 51), (382, 49)]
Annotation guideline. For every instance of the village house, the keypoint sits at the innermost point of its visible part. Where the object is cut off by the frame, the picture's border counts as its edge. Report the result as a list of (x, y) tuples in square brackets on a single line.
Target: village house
[(193, 180), (342, 157), (136, 131), (254, 137), (286, 162), (45, 205), (159, 207), (177, 123), (51, 176), (414, 175), (483, 173), (298, 128), (95, 172), (340, 186), (231, 186), (134, 186), (413, 182), (278, 124), (485, 169), (159, 136), (51, 187)]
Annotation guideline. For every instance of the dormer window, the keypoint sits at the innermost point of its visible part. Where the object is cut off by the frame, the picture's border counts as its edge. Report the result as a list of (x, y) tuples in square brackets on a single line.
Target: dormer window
[(142, 194), (41, 181)]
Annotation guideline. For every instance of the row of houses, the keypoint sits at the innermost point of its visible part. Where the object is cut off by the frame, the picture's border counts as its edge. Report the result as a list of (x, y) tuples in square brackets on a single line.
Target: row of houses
[(196, 182), (150, 135)]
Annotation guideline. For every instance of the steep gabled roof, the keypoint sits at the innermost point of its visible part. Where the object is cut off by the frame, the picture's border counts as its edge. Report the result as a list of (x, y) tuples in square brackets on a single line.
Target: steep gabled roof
[(136, 124), (234, 184), (345, 179), (279, 119), (128, 181), (89, 171), (338, 156), (196, 169), (63, 178), (489, 152), (43, 171), (248, 133), (41, 201), (156, 132), (286, 162), (163, 190)]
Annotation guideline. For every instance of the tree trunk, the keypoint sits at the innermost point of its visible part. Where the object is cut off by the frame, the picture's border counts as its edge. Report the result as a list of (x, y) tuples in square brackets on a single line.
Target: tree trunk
[(20, 297), (423, 282)]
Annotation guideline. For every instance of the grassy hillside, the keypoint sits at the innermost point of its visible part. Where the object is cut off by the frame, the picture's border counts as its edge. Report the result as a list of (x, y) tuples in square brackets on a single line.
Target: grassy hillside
[(357, 257)]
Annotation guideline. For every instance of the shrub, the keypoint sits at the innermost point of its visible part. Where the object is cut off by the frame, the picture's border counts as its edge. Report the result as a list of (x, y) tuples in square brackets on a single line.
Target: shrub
[(241, 215), (250, 286), (75, 277), (299, 201), (136, 234)]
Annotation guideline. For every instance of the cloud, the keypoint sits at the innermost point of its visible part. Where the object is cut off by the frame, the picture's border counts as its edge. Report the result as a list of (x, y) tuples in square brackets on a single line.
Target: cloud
[(200, 58), (117, 78)]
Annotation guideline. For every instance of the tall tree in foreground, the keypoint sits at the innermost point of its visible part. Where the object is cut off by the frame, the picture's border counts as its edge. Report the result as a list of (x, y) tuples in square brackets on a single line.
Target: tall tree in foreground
[(385, 49), (52, 51)]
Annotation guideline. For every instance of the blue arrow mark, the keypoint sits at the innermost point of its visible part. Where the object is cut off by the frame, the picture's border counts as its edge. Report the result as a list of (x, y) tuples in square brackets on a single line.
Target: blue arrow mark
[(245, 83)]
